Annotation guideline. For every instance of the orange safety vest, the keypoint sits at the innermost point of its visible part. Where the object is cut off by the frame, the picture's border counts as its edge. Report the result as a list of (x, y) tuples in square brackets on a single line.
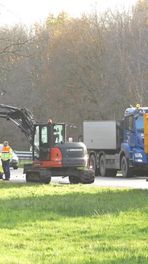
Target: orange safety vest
[(6, 153)]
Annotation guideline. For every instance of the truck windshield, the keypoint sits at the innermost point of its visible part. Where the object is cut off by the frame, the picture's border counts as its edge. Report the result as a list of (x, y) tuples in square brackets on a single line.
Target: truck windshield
[(140, 124)]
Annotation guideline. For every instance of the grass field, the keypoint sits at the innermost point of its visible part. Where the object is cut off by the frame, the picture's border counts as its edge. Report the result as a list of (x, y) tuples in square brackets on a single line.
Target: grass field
[(67, 224)]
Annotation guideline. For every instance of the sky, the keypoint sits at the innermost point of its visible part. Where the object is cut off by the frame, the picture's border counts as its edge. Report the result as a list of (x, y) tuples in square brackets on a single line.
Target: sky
[(31, 11)]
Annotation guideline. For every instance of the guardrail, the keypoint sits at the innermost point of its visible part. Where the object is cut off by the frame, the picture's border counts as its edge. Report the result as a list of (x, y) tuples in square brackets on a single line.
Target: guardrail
[(24, 155)]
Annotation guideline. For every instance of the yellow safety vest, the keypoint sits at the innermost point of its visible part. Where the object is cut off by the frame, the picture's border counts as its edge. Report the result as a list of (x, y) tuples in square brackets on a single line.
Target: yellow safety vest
[(6, 153)]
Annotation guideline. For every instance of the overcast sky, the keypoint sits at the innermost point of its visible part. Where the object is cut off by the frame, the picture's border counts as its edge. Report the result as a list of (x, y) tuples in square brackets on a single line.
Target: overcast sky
[(31, 11)]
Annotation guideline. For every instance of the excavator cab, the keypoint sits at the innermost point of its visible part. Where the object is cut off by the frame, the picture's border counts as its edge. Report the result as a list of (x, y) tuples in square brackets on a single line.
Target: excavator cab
[(45, 138)]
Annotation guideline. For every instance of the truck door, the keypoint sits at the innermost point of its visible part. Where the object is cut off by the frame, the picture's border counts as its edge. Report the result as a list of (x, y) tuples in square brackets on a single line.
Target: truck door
[(129, 134)]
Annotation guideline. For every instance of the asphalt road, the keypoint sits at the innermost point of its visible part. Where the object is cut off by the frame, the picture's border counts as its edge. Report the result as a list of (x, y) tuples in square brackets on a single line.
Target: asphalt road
[(119, 181)]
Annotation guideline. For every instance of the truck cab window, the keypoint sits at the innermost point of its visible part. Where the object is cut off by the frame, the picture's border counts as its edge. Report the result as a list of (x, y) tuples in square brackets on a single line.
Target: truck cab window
[(129, 123), (140, 123)]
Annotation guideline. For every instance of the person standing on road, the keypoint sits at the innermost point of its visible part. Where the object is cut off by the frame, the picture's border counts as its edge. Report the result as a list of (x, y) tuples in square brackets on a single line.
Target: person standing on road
[(6, 155)]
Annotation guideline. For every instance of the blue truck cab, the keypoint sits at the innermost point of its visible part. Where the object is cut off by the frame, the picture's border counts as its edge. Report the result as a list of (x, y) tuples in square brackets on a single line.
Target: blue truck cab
[(134, 143)]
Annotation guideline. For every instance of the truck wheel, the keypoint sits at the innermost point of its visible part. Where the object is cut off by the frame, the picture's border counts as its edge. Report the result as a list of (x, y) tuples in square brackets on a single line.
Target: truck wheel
[(93, 164), (74, 180), (126, 171), (106, 172), (102, 166)]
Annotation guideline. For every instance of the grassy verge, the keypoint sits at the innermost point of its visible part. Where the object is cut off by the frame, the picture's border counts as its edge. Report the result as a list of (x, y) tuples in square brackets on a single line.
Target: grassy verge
[(72, 224)]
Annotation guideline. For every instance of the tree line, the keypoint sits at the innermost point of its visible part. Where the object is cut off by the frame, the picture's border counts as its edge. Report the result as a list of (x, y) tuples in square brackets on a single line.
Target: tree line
[(75, 69)]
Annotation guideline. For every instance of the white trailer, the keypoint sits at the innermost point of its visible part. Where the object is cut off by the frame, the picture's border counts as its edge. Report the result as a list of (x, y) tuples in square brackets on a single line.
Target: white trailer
[(103, 140), (100, 134)]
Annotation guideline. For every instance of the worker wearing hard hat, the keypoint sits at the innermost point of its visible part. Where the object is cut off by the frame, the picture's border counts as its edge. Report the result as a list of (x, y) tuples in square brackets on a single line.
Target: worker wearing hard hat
[(6, 155)]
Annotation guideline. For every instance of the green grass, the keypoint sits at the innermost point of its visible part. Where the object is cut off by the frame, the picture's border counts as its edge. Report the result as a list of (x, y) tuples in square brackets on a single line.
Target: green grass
[(72, 224)]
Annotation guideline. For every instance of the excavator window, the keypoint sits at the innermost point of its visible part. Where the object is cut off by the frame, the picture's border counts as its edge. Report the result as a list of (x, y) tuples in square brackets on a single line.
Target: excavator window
[(36, 143), (58, 133), (44, 142), (41, 146), (44, 135)]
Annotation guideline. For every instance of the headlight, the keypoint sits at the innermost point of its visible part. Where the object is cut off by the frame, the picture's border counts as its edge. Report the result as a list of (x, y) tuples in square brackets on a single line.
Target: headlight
[(138, 155)]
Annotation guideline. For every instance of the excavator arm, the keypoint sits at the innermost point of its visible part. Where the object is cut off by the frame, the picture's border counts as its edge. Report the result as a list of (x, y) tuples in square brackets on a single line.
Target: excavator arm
[(21, 117)]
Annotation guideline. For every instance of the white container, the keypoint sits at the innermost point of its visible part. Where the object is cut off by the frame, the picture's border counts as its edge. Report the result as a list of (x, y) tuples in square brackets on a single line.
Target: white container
[(100, 134)]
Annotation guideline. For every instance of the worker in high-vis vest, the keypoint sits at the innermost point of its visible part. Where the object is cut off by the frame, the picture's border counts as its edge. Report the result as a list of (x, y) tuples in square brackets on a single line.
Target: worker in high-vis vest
[(6, 156)]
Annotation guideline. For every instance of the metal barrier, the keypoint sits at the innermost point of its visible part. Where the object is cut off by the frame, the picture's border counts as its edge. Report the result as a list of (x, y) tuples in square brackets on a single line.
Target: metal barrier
[(24, 155)]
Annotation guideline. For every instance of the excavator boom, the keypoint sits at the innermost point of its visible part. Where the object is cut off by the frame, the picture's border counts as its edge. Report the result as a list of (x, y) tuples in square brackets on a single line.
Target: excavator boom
[(21, 117)]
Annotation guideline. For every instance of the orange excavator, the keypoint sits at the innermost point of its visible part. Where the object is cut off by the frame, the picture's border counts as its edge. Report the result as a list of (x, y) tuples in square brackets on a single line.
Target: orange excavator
[(51, 154)]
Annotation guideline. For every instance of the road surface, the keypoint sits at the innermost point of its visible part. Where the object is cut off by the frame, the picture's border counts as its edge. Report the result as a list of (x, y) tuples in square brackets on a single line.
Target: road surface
[(119, 181)]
